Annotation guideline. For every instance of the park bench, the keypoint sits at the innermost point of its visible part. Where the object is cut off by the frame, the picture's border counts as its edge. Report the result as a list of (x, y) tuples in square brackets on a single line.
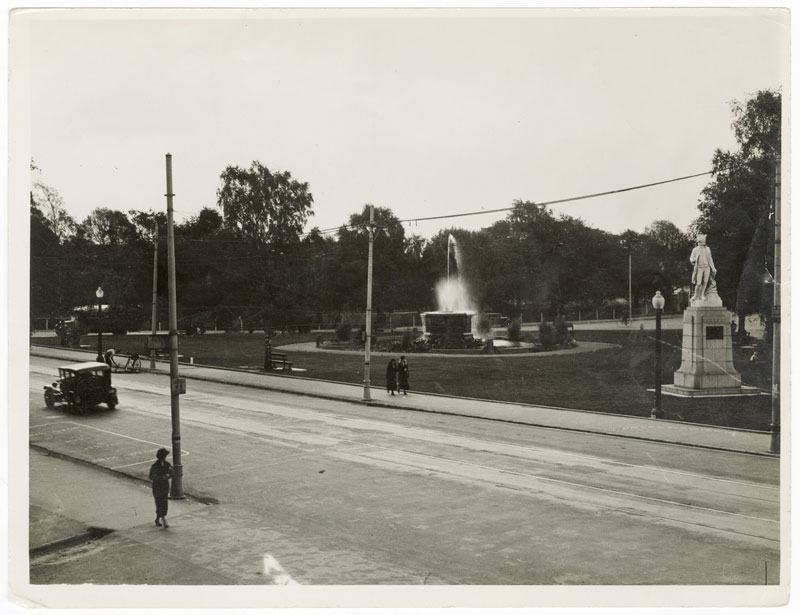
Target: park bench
[(282, 359)]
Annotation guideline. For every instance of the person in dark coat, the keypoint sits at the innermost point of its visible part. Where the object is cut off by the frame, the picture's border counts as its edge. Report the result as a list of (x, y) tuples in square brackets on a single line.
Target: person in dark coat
[(160, 474), (391, 376), (402, 374)]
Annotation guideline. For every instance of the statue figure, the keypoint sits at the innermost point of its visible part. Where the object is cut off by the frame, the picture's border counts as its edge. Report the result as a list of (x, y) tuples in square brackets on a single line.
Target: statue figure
[(704, 271)]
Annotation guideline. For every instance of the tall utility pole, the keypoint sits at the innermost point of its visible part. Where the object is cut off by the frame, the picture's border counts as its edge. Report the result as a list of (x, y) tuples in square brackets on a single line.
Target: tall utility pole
[(155, 301), (775, 423), (368, 341), (177, 385)]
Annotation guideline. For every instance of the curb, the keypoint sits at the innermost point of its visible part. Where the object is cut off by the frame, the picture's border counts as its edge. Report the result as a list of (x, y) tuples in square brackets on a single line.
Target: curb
[(93, 533), (201, 499)]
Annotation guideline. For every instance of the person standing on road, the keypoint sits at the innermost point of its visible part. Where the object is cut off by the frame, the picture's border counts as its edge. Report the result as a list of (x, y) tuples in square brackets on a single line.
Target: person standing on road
[(160, 473), (403, 372), (391, 376)]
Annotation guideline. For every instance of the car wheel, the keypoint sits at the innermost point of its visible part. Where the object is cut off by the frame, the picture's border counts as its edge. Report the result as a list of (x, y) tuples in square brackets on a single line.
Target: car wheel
[(49, 400)]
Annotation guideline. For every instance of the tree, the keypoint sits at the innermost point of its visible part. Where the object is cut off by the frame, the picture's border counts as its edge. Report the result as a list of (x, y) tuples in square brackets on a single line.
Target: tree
[(738, 201), (108, 227), (550, 263), (267, 207), (211, 273), (669, 249), (145, 222), (587, 265), (205, 224), (45, 258), (669, 237), (50, 204), (530, 254), (391, 284)]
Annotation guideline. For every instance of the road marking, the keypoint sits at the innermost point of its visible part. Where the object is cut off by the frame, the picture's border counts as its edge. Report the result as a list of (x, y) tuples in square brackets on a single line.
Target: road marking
[(274, 570), (114, 433), (128, 465), (59, 423)]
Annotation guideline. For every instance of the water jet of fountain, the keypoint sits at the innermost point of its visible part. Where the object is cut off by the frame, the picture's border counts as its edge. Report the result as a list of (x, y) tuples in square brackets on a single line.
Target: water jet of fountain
[(452, 294)]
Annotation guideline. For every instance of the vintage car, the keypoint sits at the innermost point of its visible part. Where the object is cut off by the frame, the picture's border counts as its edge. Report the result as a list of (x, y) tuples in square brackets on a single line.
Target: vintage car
[(81, 386)]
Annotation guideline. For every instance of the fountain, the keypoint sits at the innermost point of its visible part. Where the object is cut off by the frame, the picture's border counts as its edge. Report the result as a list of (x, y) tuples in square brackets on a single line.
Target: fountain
[(451, 325)]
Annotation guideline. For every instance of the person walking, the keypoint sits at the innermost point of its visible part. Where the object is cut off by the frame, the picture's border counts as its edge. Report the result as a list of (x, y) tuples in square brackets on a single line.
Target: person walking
[(402, 373), (160, 473), (391, 376)]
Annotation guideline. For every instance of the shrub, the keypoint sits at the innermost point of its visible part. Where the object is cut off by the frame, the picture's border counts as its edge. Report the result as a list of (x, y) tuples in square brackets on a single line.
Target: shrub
[(69, 333), (547, 335), (515, 330), (344, 332), (407, 343), (483, 325), (562, 330)]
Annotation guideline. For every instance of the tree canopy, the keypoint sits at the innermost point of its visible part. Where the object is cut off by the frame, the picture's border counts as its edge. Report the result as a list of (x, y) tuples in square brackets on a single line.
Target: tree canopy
[(738, 202), (268, 207), (247, 260)]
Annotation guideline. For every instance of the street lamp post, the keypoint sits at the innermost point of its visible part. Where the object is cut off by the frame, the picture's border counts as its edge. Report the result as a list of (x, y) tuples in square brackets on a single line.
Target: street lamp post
[(368, 322), (658, 304), (99, 293)]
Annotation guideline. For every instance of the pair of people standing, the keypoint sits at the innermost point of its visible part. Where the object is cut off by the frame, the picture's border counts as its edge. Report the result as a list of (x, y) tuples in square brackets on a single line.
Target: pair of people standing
[(397, 376)]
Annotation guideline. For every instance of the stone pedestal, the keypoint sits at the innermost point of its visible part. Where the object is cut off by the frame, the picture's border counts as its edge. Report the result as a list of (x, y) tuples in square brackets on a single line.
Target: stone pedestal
[(706, 354)]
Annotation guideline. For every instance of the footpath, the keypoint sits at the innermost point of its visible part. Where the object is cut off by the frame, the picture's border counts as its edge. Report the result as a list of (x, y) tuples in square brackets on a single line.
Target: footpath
[(641, 428)]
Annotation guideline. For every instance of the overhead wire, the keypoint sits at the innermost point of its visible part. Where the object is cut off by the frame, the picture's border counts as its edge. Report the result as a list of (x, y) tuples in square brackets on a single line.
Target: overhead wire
[(543, 203), (330, 250)]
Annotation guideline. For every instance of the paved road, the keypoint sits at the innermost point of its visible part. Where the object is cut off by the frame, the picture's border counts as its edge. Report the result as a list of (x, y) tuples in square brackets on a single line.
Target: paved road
[(754, 442), (320, 491)]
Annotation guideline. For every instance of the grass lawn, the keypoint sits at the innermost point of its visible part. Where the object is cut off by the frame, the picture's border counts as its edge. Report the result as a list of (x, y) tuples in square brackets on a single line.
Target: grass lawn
[(614, 380)]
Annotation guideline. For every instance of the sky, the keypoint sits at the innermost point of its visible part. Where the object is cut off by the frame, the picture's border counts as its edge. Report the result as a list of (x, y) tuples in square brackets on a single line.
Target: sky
[(425, 113)]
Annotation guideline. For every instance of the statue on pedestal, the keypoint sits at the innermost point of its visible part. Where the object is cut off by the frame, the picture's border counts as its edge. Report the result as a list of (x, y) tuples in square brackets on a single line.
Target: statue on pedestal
[(703, 271), (707, 368)]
